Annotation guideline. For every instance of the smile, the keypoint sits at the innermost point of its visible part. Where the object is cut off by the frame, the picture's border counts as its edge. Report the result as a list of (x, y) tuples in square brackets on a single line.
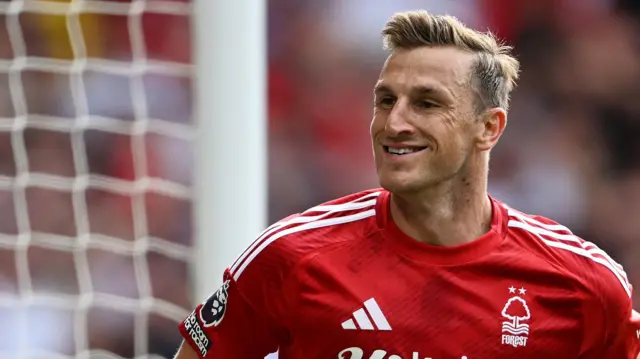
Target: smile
[(401, 151)]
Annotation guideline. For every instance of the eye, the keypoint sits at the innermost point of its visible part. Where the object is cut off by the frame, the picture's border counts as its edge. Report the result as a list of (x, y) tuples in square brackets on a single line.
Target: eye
[(386, 101), (424, 104)]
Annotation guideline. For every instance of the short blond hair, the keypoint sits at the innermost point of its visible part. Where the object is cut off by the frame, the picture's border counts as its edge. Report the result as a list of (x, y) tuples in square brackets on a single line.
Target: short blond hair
[(495, 70)]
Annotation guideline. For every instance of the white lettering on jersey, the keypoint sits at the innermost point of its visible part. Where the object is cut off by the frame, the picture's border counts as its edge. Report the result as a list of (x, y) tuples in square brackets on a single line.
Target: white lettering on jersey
[(514, 340), (197, 334), (358, 353)]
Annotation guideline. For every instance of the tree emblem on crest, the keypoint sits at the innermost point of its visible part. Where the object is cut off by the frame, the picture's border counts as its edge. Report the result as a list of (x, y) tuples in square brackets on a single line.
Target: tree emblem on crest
[(516, 310)]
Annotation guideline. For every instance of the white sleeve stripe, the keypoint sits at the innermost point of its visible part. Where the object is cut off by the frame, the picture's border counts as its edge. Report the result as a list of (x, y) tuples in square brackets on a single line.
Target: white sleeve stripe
[(592, 248), (349, 206), (298, 220), (310, 225), (602, 261), (331, 207), (525, 218), (620, 275), (570, 238)]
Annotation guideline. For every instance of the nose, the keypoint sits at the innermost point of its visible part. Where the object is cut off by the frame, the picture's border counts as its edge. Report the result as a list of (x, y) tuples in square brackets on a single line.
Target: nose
[(398, 122)]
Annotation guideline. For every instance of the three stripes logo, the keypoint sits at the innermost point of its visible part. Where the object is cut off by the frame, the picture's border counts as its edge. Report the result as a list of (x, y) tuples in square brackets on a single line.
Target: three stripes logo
[(369, 317)]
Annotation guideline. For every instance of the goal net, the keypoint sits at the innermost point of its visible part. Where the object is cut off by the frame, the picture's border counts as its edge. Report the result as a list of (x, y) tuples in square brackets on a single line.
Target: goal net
[(95, 177)]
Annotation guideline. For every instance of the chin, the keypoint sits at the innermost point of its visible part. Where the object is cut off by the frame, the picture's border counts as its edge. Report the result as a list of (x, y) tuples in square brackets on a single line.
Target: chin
[(399, 184)]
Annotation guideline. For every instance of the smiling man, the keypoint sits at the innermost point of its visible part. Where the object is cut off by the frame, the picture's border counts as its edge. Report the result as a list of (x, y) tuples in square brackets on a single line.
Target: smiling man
[(428, 266)]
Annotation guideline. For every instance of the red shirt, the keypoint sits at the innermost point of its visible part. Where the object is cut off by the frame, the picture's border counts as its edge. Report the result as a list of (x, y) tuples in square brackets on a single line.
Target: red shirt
[(342, 281)]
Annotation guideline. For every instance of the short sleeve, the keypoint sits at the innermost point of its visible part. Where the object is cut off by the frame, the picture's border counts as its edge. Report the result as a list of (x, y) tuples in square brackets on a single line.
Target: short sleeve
[(624, 340), (612, 327), (226, 326)]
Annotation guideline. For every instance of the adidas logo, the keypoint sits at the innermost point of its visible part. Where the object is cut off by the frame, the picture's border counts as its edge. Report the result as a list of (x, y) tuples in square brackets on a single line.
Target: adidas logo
[(368, 318)]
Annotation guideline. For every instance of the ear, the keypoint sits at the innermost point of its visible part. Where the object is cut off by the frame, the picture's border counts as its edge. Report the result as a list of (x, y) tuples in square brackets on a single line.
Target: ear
[(493, 123)]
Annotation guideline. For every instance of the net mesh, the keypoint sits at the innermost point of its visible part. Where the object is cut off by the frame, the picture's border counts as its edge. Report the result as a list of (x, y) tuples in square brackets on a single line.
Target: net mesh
[(95, 187)]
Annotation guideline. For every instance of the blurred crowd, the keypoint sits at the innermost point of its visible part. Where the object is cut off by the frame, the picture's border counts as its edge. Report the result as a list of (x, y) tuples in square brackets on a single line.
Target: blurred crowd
[(572, 146), (571, 150)]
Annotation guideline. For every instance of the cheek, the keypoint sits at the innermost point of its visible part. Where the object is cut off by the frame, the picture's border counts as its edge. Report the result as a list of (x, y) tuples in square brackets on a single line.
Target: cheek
[(453, 142), (377, 124), (459, 143)]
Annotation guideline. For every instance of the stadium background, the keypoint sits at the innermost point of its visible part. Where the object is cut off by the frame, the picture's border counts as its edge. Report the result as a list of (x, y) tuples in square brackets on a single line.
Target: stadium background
[(571, 151)]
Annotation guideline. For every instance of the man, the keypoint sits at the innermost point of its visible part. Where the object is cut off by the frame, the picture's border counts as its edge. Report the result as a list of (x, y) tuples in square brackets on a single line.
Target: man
[(430, 266)]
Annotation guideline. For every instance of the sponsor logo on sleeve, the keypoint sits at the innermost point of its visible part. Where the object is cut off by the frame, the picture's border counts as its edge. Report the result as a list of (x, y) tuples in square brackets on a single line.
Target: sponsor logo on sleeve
[(198, 335), (212, 310)]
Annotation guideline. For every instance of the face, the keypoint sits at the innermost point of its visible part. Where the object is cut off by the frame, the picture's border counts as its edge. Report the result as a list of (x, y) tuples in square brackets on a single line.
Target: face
[(425, 128)]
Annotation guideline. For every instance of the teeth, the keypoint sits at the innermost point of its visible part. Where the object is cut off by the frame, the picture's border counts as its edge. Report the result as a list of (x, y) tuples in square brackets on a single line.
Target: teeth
[(400, 151)]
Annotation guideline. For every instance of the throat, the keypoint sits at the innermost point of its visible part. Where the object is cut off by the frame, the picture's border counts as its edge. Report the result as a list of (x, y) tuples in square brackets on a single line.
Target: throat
[(442, 223)]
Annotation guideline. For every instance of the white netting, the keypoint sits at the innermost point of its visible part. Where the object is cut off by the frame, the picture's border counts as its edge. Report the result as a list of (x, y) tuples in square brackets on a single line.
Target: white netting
[(95, 161)]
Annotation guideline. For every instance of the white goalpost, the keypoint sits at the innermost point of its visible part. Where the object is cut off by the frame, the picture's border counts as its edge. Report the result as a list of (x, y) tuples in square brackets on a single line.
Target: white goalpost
[(231, 180), (231, 109)]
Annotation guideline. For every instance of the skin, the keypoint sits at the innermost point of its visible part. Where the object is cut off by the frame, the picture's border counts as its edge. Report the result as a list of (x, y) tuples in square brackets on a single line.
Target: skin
[(186, 352), (424, 99), (439, 195)]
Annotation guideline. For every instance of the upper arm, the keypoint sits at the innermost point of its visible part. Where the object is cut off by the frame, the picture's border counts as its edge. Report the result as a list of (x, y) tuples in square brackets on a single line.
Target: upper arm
[(250, 316), (612, 326), (185, 352), (247, 318), (624, 339), (225, 323), (621, 321)]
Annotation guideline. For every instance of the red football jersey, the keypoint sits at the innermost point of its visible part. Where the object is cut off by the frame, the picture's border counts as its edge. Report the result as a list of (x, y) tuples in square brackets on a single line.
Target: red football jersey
[(340, 280)]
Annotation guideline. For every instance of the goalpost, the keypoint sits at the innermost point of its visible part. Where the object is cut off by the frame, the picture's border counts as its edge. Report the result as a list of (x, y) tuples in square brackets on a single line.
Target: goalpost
[(231, 111), (91, 265), (231, 107), (230, 44)]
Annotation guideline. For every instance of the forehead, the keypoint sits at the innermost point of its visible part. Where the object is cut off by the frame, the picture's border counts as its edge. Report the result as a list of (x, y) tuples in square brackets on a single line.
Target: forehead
[(442, 67)]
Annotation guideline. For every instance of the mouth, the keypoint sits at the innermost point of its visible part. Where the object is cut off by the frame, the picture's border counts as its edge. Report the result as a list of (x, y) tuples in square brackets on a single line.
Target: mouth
[(403, 151)]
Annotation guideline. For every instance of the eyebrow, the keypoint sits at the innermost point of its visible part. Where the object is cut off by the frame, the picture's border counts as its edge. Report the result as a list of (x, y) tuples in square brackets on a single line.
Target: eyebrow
[(381, 88), (422, 90), (425, 90)]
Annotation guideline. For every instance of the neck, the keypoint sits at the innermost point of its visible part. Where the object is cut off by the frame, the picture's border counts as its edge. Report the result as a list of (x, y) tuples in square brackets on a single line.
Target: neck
[(452, 213)]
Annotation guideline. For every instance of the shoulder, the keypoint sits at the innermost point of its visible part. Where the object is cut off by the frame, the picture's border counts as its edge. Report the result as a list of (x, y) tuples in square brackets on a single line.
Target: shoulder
[(263, 272), (606, 293), (584, 260), (283, 244)]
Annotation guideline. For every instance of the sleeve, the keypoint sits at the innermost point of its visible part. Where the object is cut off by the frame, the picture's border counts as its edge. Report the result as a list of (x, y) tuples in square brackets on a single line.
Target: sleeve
[(611, 326), (226, 326), (624, 338)]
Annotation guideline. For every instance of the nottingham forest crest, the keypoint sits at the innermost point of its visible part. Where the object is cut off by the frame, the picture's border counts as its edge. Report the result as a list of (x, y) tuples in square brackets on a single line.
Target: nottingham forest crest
[(515, 330)]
